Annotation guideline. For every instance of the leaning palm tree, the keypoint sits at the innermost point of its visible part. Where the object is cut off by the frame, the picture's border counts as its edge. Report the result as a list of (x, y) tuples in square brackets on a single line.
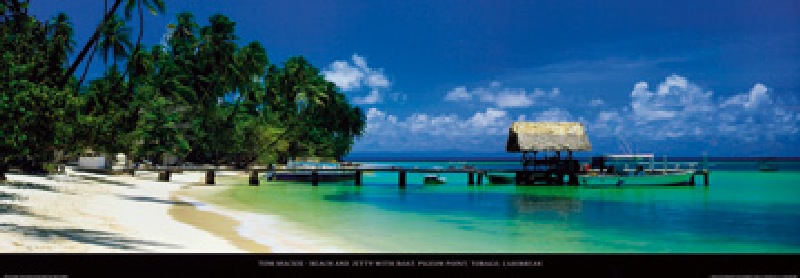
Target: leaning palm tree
[(153, 5), (92, 43)]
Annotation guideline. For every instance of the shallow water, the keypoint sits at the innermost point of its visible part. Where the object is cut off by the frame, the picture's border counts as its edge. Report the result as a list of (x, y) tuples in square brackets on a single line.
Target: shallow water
[(740, 212)]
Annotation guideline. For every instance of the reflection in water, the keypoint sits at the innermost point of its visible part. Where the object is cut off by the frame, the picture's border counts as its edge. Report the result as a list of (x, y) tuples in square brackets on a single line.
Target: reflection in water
[(637, 213), (532, 204)]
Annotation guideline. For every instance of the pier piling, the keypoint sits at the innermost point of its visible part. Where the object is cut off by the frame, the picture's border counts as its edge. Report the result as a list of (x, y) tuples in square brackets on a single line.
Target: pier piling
[(471, 178), (254, 178), (210, 177), (163, 176), (401, 178), (480, 178), (358, 178), (314, 178)]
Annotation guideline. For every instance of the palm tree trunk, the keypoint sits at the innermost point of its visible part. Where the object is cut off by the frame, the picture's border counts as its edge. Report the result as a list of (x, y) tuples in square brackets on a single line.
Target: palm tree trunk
[(92, 41), (3, 170), (86, 70)]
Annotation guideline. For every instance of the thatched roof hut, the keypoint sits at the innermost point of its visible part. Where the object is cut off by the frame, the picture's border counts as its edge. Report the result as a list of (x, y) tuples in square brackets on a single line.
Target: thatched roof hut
[(547, 136)]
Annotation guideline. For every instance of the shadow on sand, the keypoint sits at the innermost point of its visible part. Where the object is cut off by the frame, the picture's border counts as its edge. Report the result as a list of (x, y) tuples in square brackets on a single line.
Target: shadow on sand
[(98, 238), (104, 180), (155, 200), (28, 185)]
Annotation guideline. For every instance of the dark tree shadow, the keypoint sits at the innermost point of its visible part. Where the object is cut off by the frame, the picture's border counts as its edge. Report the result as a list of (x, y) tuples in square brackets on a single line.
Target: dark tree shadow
[(98, 238), (15, 209), (155, 200), (11, 197), (105, 180), (28, 185)]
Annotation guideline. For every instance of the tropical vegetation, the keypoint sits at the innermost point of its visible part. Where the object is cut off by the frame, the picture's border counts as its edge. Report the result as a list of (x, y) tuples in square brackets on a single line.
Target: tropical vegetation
[(202, 96)]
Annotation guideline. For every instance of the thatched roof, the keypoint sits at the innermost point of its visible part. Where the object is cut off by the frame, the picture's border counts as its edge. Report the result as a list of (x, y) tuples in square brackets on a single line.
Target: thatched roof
[(547, 136)]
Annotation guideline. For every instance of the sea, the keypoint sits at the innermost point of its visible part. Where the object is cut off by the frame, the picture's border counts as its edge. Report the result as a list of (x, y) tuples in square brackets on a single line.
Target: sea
[(742, 210)]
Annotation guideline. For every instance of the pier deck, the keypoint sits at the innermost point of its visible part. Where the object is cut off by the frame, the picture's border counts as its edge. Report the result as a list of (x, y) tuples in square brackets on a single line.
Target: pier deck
[(474, 175)]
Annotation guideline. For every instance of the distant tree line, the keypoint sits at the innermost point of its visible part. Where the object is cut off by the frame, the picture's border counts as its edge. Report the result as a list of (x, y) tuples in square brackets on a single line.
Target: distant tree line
[(202, 96)]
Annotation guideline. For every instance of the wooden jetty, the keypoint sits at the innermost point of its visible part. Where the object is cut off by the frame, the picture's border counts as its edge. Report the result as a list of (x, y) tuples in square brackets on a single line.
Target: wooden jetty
[(547, 159), (474, 176)]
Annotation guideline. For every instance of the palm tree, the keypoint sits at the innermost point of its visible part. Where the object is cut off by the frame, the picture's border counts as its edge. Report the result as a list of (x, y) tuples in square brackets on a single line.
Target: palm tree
[(91, 44), (153, 5), (116, 40)]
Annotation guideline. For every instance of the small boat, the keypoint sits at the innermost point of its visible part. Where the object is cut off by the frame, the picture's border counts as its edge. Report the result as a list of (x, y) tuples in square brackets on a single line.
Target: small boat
[(764, 166), (665, 178), (614, 170), (499, 179), (434, 179)]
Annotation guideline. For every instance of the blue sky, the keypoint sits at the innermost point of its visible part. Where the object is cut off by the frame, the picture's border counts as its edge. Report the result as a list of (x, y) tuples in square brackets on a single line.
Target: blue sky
[(671, 77)]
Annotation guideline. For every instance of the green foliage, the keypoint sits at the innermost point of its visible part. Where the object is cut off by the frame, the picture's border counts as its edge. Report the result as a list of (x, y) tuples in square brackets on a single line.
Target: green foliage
[(115, 39), (35, 114), (200, 97)]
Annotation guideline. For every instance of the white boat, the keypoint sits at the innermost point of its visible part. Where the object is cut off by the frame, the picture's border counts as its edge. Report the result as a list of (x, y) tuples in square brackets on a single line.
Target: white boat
[(630, 170), (667, 178)]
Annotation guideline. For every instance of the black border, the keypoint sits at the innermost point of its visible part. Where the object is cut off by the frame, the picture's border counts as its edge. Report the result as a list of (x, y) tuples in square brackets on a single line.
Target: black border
[(529, 265)]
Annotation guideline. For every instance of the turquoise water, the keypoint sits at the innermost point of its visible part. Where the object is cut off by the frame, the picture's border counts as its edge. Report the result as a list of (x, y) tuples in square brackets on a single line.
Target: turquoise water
[(740, 212)]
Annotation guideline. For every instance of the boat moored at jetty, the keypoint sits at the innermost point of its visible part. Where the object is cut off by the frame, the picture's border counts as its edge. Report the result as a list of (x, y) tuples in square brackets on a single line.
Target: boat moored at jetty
[(500, 179), (434, 179), (302, 169), (636, 169)]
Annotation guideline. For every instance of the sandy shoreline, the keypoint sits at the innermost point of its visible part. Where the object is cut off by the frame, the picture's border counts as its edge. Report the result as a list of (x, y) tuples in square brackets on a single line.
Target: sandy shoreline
[(83, 212)]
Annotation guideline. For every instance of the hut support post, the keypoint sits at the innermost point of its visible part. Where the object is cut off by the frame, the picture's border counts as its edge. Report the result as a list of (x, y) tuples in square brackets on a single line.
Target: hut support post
[(471, 178), (480, 178), (525, 161), (401, 178), (705, 178), (254, 178), (358, 178), (210, 177)]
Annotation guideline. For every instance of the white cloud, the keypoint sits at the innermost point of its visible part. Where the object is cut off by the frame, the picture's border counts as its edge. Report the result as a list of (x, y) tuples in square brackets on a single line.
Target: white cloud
[(430, 131), (499, 96), (166, 37), (355, 74), (377, 80), (492, 117), (682, 109), (659, 113), (674, 98), (458, 94), (554, 115), (351, 77), (374, 113), (511, 98), (597, 102), (345, 76), (372, 98), (756, 98)]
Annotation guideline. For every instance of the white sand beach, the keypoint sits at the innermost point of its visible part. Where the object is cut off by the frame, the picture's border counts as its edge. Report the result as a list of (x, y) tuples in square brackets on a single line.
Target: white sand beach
[(84, 212)]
